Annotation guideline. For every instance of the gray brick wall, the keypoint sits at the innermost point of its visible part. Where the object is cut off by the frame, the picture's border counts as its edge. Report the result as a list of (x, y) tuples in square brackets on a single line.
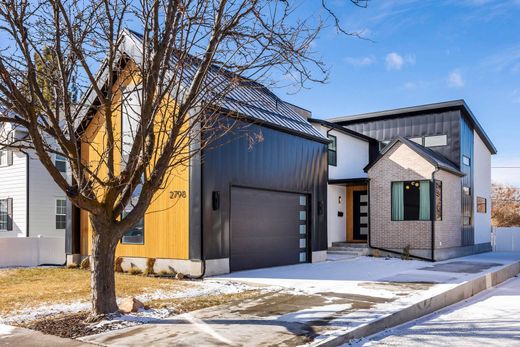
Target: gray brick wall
[(403, 164)]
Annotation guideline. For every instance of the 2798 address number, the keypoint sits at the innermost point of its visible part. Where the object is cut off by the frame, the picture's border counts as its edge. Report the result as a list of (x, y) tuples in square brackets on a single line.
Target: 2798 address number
[(176, 194)]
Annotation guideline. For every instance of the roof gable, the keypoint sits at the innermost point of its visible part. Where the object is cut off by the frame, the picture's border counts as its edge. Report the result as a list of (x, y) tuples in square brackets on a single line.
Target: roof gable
[(434, 158)]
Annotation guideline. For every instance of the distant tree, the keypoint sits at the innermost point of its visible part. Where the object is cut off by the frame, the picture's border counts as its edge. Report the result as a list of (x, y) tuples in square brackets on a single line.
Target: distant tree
[(505, 206), (50, 49)]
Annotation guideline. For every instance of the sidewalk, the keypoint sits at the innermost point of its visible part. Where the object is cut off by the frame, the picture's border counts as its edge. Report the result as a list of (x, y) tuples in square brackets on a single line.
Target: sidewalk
[(14, 336), (326, 303)]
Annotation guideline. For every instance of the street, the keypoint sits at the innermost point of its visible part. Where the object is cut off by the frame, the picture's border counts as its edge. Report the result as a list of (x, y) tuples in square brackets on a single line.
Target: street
[(491, 318)]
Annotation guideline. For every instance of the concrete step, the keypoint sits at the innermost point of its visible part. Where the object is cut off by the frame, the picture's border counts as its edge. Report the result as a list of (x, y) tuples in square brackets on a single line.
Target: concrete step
[(343, 253), (349, 249), (347, 244)]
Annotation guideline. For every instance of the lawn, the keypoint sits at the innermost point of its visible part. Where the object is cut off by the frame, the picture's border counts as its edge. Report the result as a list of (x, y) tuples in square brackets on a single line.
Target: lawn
[(30, 287), (56, 300)]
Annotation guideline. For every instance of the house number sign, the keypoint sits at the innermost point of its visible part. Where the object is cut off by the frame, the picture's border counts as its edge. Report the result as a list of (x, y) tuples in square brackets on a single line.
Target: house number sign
[(177, 194)]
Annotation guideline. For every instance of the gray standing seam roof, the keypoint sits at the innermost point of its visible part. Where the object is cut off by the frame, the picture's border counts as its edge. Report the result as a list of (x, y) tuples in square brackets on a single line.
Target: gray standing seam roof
[(247, 98)]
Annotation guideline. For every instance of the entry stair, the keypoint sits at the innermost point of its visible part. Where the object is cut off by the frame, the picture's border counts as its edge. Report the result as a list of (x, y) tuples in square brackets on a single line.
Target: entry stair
[(345, 250)]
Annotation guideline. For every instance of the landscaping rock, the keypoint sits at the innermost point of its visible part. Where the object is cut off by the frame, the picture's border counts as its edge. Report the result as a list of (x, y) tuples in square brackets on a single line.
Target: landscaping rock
[(129, 305), (179, 276)]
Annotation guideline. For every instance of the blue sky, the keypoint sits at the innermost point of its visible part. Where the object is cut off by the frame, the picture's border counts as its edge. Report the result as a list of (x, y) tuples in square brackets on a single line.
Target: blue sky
[(426, 51)]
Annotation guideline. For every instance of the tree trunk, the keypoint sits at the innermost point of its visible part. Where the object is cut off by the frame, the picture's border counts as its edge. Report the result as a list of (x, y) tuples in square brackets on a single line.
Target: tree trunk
[(102, 280)]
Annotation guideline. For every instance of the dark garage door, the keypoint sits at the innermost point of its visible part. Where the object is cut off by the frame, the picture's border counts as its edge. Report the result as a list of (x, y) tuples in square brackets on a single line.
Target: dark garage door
[(268, 228)]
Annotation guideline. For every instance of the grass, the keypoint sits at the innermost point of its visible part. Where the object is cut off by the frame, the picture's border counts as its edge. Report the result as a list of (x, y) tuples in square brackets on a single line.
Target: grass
[(32, 287)]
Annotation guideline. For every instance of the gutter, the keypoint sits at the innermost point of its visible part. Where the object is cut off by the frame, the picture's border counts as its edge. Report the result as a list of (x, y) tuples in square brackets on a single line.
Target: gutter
[(433, 199)]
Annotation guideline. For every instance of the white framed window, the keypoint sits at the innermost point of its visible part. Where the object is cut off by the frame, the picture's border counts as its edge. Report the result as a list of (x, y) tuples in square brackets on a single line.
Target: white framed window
[(61, 213), (6, 214), (6, 157), (61, 163), (435, 141)]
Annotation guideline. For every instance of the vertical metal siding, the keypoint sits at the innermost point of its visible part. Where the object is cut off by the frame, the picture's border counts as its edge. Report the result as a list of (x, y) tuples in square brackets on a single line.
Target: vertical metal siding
[(281, 162), (440, 123)]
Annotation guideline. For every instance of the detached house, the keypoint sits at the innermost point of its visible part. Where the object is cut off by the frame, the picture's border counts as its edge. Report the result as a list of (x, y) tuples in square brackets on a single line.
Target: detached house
[(237, 206), (31, 207), (415, 180)]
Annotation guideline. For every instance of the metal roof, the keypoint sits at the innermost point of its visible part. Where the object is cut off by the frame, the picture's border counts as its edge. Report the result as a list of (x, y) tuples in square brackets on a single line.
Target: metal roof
[(342, 129), (248, 98), (410, 111), (436, 159)]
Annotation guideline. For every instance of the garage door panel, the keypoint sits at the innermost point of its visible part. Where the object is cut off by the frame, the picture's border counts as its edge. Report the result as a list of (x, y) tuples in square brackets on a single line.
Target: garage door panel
[(265, 228)]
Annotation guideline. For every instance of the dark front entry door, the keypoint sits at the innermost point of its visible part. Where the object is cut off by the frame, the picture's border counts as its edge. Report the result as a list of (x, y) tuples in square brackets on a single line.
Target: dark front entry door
[(268, 228), (360, 215)]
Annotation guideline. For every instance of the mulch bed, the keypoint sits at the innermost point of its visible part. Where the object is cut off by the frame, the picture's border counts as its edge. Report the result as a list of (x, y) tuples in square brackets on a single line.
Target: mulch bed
[(68, 325)]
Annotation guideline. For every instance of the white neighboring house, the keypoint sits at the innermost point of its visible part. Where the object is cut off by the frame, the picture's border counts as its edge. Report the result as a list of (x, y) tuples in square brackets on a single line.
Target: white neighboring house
[(31, 207)]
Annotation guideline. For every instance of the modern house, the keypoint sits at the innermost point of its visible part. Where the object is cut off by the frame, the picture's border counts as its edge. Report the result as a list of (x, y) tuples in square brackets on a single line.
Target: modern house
[(31, 206), (241, 206), (426, 193)]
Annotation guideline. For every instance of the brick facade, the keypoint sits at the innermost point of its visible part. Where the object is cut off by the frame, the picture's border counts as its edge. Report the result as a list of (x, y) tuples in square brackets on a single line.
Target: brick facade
[(401, 163)]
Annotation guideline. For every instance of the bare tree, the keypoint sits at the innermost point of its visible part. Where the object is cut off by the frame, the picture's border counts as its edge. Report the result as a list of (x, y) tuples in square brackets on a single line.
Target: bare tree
[(175, 75), (505, 209)]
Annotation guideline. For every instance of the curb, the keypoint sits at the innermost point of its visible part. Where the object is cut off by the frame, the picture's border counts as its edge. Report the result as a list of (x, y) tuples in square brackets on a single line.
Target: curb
[(427, 306)]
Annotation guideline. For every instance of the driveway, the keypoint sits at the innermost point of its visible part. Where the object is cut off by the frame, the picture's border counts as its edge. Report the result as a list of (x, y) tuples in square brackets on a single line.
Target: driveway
[(309, 302), (491, 318)]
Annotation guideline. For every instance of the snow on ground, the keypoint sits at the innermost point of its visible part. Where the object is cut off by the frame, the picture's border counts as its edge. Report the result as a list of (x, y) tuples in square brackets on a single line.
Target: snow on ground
[(202, 288)]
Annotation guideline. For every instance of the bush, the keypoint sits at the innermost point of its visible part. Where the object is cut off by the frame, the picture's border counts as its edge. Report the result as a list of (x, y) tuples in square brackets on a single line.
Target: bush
[(134, 270), (406, 253), (117, 264), (85, 264), (150, 262), (72, 266)]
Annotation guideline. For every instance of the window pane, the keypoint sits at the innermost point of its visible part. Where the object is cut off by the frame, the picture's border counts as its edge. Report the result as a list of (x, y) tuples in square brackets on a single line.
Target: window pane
[(331, 157), (481, 205), (303, 200), (397, 200), (438, 200), (3, 214), (466, 190), (438, 140), (416, 140), (60, 163), (412, 200), (303, 229), (136, 234), (466, 161), (333, 142)]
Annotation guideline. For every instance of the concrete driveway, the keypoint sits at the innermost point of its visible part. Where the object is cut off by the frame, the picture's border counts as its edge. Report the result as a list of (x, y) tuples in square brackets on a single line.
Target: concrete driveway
[(309, 303), (491, 318)]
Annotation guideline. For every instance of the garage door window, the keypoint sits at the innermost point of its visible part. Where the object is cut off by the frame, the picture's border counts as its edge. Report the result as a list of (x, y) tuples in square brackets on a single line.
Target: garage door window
[(303, 228)]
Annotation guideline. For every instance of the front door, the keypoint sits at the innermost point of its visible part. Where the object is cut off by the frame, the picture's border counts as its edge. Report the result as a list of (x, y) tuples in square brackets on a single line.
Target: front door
[(360, 224)]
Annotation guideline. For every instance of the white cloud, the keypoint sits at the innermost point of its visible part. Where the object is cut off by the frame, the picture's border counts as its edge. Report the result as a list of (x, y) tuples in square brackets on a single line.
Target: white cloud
[(455, 79), (395, 61), (361, 61)]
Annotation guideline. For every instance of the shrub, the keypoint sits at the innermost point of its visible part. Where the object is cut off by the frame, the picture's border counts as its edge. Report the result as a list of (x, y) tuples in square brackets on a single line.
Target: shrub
[(117, 264), (72, 266), (150, 262), (134, 270), (85, 264), (406, 253)]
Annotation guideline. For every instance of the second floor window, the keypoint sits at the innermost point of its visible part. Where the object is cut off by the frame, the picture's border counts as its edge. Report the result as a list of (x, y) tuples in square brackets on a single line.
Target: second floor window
[(6, 158), (333, 151), (60, 163)]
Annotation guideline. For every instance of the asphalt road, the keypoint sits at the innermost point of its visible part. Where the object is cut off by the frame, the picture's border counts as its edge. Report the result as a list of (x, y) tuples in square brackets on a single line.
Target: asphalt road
[(491, 318)]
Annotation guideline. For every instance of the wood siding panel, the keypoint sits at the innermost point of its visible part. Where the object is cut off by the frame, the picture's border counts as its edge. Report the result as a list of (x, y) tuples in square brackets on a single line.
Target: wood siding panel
[(166, 224)]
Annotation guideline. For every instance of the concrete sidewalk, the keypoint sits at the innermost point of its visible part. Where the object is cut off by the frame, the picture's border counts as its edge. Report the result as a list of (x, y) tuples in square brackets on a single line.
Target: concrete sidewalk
[(14, 336), (325, 303)]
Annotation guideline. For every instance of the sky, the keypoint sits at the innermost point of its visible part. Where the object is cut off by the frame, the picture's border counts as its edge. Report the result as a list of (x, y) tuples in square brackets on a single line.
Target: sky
[(425, 51)]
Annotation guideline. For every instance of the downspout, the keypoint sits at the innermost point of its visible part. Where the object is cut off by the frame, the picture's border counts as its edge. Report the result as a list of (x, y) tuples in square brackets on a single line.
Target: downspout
[(433, 200)]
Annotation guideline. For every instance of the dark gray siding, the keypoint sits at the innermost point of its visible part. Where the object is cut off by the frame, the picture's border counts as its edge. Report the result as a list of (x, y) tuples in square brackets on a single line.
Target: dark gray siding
[(281, 161), (440, 123), (466, 139)]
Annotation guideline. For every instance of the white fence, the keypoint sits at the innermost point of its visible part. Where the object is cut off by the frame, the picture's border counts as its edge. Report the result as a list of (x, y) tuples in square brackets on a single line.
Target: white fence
[(506, 239), (32, 251)]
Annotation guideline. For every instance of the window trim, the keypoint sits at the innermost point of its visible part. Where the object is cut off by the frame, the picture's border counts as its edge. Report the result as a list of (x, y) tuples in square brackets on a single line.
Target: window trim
[(334, 139), (56, 212)]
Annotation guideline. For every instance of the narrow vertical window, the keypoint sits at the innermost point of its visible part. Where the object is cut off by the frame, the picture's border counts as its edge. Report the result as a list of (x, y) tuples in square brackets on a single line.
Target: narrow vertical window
[(61, 213), (332, 151), (438, 200), (3, 215), (481, 205)]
